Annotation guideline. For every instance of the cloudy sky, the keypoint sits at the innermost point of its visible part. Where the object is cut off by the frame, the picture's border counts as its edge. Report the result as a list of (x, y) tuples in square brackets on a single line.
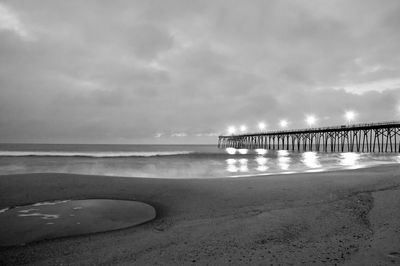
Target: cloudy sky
[(178, 71)]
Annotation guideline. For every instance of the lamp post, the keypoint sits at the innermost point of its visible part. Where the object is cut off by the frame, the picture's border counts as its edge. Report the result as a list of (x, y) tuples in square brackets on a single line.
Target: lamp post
[(311, 120), (350, 115), (231, 130), (283, 123), (262, 126)]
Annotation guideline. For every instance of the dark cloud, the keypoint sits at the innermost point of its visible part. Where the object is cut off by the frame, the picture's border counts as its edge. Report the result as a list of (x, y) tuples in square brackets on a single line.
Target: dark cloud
[(127, 71)]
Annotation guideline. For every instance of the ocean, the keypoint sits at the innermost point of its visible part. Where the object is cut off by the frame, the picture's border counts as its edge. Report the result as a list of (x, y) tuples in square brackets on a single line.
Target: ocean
[(176, 161)]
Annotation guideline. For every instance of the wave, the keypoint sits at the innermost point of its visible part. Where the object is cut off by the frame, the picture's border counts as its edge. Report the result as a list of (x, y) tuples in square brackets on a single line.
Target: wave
[(121, 154)]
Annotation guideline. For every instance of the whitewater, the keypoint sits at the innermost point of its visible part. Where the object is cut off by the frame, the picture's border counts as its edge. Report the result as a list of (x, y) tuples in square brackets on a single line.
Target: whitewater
[(176, 161)]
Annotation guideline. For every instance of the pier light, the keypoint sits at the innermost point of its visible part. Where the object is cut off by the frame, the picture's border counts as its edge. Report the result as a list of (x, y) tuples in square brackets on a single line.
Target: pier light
[(311, 120), (350, 115), (262, 126), (243, 128), (283, 123), (231, 130)]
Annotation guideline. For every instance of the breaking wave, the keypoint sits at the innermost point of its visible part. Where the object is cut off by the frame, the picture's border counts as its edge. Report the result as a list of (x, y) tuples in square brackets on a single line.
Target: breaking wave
[(121, 154)]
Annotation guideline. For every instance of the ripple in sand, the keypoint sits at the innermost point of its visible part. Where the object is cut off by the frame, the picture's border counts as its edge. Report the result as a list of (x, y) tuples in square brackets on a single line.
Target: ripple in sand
[(48, 220)]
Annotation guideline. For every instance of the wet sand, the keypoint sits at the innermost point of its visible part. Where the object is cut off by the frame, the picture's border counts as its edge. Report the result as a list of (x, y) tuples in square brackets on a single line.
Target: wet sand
[(344, 217)]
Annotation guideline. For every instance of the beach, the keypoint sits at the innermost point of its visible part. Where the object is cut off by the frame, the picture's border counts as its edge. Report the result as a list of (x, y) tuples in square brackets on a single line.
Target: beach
[(199, 133), (346, 217)]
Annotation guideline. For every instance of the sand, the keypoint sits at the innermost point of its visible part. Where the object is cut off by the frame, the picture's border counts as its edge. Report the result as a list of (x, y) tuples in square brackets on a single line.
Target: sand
[(344, 217)]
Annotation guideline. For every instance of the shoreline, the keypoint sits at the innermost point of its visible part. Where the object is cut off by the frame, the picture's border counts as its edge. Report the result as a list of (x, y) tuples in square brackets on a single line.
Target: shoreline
[(310, 171), (275, 218)]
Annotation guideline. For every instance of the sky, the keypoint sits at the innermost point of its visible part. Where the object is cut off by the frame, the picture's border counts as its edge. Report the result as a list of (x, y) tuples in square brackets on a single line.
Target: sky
[(178, 71)]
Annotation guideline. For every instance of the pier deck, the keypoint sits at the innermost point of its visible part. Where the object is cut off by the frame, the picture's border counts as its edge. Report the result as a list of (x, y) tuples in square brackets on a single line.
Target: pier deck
[(366, 137)]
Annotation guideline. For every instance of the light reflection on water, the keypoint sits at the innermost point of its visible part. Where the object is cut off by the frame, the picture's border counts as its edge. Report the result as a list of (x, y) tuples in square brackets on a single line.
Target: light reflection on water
[(282, 153), (230, 151), (243, 165), (232, 168), (261, 151), (243, 151), (230, 161), (261, 160), (243, 161), (285, 162), (261, 163), (231, 165), (262, 168), (197, 162), (243, 168), (350, 159), (310, 159), (239, 165)]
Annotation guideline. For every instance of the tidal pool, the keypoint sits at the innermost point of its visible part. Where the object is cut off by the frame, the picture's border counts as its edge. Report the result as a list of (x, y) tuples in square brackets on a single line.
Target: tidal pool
[(47, 220)]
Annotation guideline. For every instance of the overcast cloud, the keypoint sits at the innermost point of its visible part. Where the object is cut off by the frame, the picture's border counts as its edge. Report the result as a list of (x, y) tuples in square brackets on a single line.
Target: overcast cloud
[(181, 71)]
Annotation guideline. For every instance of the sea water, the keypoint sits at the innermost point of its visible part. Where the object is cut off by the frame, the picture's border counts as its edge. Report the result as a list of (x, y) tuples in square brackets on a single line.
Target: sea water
[(176, 161)]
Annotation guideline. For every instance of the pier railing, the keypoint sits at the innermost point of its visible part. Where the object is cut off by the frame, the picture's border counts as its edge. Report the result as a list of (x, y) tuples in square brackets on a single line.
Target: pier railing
[(369, 137)]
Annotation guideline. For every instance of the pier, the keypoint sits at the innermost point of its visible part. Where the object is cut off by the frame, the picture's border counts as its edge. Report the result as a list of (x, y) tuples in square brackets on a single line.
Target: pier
[(367, 137)]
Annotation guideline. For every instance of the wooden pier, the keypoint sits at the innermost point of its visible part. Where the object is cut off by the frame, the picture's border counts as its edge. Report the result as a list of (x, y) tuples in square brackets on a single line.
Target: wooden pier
[(371, 137)]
